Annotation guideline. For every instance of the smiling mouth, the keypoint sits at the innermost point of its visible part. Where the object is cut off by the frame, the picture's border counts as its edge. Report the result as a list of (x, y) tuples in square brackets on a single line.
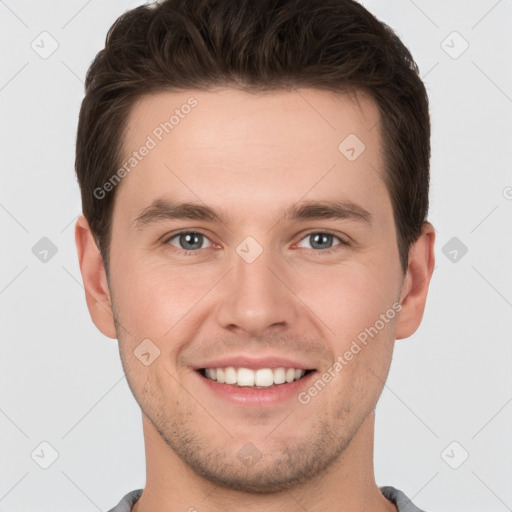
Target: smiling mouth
[(257, 379)]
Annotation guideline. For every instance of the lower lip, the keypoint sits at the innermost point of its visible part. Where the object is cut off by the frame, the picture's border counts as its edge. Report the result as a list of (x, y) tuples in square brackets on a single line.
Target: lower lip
[(251, 397)]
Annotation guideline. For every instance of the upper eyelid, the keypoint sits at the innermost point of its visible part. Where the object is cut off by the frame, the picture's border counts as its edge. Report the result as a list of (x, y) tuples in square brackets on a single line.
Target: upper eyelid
[(327, 232), (166, 238)]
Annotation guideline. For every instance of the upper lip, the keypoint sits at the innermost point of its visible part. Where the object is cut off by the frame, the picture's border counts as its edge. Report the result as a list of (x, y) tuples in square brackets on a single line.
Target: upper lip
[(254, 363)]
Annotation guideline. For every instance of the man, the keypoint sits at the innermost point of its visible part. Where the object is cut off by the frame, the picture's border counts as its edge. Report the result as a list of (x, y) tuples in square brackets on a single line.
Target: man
[(254, 179)]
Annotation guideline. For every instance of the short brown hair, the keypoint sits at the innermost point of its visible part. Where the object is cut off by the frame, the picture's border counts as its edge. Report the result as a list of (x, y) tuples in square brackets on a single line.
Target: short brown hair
[(255, 45)]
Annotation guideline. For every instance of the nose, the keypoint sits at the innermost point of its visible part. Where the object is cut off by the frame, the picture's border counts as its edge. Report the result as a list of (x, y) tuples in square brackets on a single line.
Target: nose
[(257, 298)]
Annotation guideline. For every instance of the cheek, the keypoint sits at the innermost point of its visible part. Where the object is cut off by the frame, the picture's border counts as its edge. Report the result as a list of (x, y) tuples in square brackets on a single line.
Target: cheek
[(348, 299), (155, 295), (357, 308)]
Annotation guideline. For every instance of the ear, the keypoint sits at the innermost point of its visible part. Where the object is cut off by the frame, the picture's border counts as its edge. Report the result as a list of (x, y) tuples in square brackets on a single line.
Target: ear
[(94, 278), (414, 291)]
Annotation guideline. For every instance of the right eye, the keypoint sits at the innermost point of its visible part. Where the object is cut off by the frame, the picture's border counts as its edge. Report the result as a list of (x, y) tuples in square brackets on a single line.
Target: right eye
[(188, 241)]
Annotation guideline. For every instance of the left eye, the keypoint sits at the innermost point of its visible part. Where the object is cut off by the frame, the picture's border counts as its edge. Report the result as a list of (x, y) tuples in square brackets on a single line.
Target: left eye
[(321, 240)]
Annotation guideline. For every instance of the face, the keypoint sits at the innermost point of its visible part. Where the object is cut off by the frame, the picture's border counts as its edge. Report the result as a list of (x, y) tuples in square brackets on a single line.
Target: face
[(284, 257)]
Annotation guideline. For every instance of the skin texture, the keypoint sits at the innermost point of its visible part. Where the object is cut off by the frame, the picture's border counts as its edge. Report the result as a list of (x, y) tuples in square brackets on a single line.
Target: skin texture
[(251, 155)]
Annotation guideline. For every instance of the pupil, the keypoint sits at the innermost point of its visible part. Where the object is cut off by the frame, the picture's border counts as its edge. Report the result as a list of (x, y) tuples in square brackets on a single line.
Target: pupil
[(194, 239), (321, 238)]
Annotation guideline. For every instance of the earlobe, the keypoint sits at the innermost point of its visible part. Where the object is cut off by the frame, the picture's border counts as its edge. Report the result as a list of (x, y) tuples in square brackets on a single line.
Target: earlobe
[(416, 282), (97, 294)]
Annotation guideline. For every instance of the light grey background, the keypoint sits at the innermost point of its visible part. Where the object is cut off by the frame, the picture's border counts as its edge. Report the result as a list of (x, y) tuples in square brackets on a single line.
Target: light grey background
[(61, 380)]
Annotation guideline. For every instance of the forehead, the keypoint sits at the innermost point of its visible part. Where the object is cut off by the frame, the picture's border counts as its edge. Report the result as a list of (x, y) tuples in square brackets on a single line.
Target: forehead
[(252, 150)]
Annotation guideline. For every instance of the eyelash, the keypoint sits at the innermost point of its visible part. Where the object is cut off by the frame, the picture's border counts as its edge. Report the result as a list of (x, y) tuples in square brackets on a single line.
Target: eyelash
[(320, 252)]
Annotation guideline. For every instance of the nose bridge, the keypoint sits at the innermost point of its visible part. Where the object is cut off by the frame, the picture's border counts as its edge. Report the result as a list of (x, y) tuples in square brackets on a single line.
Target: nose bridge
[(255, 298)]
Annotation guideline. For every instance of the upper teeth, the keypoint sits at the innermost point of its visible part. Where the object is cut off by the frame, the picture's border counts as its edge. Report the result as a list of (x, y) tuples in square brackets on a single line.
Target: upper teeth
[(264, 377)]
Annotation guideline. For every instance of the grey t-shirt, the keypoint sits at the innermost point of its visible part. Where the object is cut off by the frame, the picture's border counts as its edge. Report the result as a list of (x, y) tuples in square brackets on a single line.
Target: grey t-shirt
[(403, 503)]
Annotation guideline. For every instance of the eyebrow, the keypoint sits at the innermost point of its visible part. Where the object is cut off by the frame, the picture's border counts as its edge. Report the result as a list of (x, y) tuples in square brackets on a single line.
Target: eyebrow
[(161, 210)]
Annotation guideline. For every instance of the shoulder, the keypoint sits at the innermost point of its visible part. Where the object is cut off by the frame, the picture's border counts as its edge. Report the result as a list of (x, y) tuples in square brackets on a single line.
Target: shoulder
[(127, 502), (403, 503)]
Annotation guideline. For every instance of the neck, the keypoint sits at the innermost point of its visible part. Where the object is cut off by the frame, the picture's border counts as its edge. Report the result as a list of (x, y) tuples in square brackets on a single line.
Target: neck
[(347, 485)]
